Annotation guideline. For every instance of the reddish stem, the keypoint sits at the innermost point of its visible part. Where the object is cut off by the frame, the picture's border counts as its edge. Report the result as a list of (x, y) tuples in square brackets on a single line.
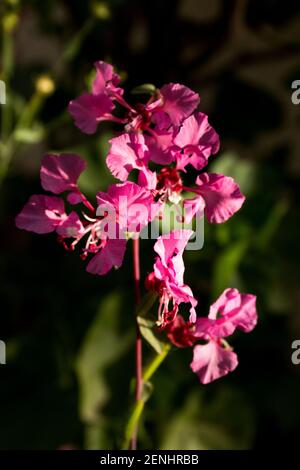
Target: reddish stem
[(138, 343), (85, 201), (122, 102)]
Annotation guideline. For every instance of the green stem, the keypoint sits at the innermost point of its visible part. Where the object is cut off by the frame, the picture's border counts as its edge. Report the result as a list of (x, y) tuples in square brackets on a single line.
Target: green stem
[(7, 68), (154, 365), (10, 146), (140, 404), (73, 46), (31, 110)]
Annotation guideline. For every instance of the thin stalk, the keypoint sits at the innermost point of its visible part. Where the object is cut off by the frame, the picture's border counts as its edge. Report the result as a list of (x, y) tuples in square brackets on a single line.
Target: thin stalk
[(140, 404), (138, 342), (7, 69)]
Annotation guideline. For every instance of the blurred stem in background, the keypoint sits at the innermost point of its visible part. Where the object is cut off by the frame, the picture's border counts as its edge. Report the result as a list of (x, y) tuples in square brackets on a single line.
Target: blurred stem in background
[(8, 25), (17, 132)]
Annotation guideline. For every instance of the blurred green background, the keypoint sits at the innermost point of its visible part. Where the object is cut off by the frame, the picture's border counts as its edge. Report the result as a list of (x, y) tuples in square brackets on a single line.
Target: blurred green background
[(69, 335)]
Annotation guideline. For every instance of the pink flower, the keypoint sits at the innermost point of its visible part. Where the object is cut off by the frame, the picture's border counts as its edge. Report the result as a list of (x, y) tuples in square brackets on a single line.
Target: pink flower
[(45, 214), (169, 180), (180, 332), (166, 131), (232, 310), (60, 173), (197, 140), (111, 255), (219, 195), (91, 108), (211, 361), (127, 152), (215, 358), (161, 147), (128, 205), (106, 80), (125, 208), (167, 278), (169, 263), (178, 102)]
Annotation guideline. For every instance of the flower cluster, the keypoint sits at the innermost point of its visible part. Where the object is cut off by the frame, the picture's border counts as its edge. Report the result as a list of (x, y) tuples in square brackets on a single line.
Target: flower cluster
[(161, 141)]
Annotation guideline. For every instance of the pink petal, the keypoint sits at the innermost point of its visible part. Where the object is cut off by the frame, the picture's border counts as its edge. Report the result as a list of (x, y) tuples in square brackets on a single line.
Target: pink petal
[(198, 140), (232, 310), (238, 309), (179, 332), (170, 247), (71, 227), (132, 204), (161, 119), (74, 198), (110, 256), (127, 151), (207, 328), (106, 79), (191, 155), (147, 178), (211, 361), (184, 294), (179, 102), (197, 131), (89, 109), (172, 244), (41, 214), (221, 194), (160, 147), (60, 173), (192, 207)]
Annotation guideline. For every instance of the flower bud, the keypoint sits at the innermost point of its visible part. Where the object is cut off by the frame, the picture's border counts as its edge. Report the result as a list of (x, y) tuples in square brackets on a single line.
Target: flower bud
[(45, 85), (10, 22)]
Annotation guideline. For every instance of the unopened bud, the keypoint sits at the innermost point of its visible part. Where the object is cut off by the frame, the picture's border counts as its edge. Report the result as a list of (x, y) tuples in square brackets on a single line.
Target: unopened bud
[(101, 10), (13, 3), (9, 22), (45, 85)]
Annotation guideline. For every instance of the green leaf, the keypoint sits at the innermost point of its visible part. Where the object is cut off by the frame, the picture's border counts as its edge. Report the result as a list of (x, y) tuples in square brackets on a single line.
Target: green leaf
[(227, 264), (147, 390), (145, 89), (272, 224), (31, 135), (225, 421), (146, 329), (102, 346), (146, 304), (243, 171)]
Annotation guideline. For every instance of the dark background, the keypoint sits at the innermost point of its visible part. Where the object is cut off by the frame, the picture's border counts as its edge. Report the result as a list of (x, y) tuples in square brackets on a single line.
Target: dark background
[(69, 335)]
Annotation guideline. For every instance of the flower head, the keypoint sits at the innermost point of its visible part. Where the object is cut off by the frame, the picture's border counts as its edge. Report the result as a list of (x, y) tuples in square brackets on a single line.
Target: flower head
[(162, 140), (232, 310), (93, 107), (125, 208), (167, 277), (215, 358)]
